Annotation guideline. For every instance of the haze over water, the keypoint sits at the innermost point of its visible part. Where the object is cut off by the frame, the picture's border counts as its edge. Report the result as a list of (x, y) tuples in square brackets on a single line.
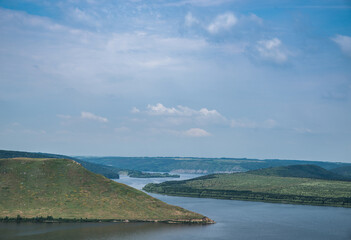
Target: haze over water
[(234, 220)]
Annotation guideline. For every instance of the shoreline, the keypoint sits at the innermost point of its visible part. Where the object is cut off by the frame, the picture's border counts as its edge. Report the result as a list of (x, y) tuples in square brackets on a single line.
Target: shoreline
[(49, 219), (257, 199)]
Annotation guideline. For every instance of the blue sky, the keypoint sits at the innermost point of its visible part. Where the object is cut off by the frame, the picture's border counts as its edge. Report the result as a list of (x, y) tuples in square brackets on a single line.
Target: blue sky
[(219, 78)]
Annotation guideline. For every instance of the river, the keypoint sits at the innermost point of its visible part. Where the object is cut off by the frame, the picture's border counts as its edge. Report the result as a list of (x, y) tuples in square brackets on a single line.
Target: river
[(234, 220)]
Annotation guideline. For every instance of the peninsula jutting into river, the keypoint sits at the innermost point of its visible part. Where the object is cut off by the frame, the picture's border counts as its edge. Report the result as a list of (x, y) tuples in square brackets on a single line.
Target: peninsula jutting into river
[(297, 184), (63, 190)]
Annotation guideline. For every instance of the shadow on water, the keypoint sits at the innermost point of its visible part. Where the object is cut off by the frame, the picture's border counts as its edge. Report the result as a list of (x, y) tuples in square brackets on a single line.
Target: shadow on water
[(91, 231)]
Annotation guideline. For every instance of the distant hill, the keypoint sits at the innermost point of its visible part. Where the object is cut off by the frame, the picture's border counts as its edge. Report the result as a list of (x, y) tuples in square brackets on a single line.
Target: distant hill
[(63, 189), (299, 171), (303, 184), (344, 171), (107, 171), (201, 165)]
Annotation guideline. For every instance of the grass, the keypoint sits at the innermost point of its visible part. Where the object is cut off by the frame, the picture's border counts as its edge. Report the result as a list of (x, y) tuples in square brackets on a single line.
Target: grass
[(253, 187), (62, 188)]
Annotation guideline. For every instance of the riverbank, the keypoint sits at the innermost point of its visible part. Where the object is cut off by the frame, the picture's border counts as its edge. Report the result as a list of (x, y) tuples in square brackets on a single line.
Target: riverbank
[(260, 197), (50, 219), (253, 187)]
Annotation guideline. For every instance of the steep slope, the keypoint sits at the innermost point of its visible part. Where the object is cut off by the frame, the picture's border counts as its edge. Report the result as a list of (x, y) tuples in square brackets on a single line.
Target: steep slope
[(299, 171), (62, 188)]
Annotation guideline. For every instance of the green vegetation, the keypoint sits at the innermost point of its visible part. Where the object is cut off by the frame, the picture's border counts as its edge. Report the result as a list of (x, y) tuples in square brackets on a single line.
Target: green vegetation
[(200, 165), (300, 171), (263, 185), (18, 154), (107, 171), (63, 189), (343, 171)]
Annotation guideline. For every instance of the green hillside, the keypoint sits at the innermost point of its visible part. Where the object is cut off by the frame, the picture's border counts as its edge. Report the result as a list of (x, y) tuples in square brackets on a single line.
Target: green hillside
[(107, 171), (343, 171), (62, 188), (261, 187), (299, 171)]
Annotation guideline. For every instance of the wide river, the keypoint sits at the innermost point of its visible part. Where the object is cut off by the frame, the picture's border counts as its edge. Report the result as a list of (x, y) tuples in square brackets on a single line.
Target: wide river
[(234, 220)]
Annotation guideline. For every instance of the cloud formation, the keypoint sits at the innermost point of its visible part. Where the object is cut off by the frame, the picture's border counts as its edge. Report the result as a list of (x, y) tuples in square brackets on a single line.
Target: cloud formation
[(344, 42), (92, 116), (272, 50), (222, 22), (135, 110), (196, 132), (161, 110), (190, 20)]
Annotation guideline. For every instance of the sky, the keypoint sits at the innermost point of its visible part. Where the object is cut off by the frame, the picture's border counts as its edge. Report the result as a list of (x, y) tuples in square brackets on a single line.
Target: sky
[(196, 78)]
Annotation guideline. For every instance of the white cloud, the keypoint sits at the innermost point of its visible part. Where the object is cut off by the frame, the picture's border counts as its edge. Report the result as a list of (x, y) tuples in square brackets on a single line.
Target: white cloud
[(94, 62), (196, 132), (91, 116), (344, 43), (190, 20), (135, 110), (160, 109), (81, 15), (254, 18), (272, 50), (222, 22)]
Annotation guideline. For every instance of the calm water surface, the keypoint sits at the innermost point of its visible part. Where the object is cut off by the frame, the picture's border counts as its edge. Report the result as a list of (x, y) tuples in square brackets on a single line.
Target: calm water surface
[(235, 220)]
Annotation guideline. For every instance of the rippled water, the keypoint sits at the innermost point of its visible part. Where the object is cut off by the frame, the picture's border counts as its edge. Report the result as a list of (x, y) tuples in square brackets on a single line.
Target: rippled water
[(235, 220)]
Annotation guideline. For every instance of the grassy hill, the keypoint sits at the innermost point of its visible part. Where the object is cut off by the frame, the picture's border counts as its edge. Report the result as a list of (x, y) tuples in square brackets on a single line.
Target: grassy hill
[(268, 185), (299, 171), (107, 171), (343, 171), (62, 188)]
